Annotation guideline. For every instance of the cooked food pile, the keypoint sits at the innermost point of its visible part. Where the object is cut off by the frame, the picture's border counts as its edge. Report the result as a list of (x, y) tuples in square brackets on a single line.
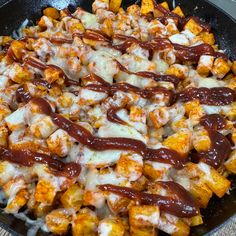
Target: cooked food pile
[(116, 122)]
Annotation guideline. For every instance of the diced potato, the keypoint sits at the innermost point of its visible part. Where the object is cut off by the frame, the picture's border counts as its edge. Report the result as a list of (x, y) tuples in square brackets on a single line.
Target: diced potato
[(20, 74), (17, 202), (178, 70), (114, 5), (202, 193), (130, 166), (205, 65), (45, 192), (182, 229), (193, 26), (194, 111), (155, 170), (117, 204), (85, 223), (51, 12), (159, 117), (111, 227), (233, 67), (215, 181), (53, 75), (146, 216), (180, 142), (58, 221), (4, 40), (147, 6), (178, 11), (196, 220), (59, 143), (179, 124), (18, 48), (231, 113), (72, 197), (220, 68), (107, 27), (230, 164), (208, 38), (201, 140), (142, 231)]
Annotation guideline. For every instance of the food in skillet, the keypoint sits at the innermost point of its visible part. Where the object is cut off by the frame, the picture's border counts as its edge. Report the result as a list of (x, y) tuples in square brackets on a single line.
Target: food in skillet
[(117, 122)]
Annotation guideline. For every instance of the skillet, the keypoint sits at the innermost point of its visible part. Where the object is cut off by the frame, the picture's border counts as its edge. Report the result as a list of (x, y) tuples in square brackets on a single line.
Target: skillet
[(14, 12)]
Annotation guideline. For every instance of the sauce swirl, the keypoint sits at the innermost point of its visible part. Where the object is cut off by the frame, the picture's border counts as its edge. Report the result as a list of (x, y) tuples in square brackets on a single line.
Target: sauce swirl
[(181, 205), (28, 158), (113, 117)]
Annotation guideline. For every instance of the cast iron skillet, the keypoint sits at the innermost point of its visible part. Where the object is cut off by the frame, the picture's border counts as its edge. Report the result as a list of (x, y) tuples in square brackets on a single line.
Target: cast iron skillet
[(13, 12)]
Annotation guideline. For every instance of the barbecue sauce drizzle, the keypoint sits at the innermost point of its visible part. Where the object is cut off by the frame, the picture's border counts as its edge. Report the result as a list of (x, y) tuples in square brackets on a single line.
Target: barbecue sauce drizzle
[(220, 146), (181, 205), (28, 158), (100, 144)]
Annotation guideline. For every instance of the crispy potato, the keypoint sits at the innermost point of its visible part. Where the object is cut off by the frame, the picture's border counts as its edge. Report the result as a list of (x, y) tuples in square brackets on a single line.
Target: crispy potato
[(115, 5), (147, 6), (51, 12)]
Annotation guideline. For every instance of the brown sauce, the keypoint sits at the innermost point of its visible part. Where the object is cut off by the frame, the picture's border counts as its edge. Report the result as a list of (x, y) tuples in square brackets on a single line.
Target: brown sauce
[(28, 158), (218, 96), (181, 205), (220, 146), (84, 137), (113, 117)]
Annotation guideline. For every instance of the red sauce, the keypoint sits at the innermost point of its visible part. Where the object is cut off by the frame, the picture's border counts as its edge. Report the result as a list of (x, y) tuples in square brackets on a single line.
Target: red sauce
[(113, 117), (213, 121), (218, 96), (181, 204), (145, 93), (220, 146), (29, 158), (100, 144), (192, 54)]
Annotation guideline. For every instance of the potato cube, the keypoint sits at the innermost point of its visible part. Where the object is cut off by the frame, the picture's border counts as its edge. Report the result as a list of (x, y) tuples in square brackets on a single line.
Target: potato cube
[(137, 114), (19, 74), (196, 220), (180, 142), (147, 216), (159, 117), (182, 229), (45, 192), (130, 166), (233, 67), (111, 227), (180, 71), (205, 65), (85, 223), (17, 48), (117, 204), (53, 75), (201, 140), (107, 27), (142, 231), (51, 12), (230, 164), (155, 171), (201, 192), (72, 197), (215, 181), (179, 124), (59, 143), (194, 111), (193, 26), (220, 68), (208, 38), (178, 11), (146, 7), (58, 221), (17, 202)]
